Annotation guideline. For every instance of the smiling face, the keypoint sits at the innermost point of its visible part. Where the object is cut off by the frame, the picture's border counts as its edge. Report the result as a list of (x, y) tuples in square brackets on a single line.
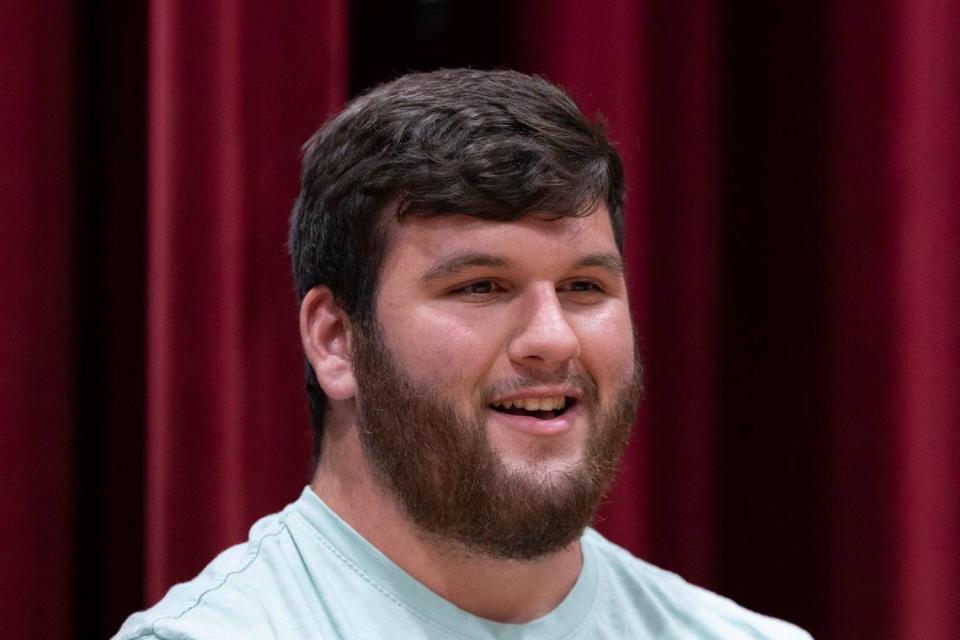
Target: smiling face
[(497, 390)]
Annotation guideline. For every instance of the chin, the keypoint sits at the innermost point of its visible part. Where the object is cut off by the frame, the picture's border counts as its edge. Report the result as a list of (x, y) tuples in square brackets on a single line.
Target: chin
[(547, 471)]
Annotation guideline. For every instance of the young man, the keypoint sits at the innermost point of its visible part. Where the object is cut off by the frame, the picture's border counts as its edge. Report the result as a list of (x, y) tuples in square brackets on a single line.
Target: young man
[(471, 370)]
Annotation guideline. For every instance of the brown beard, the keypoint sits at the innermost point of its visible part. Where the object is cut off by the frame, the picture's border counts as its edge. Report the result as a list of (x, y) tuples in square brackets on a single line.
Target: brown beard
[(453, 484)]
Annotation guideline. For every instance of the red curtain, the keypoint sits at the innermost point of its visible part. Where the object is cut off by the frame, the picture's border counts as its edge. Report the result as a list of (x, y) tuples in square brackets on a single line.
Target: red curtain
[(895, 257), (36, 361), (793, 249), (235, 89)]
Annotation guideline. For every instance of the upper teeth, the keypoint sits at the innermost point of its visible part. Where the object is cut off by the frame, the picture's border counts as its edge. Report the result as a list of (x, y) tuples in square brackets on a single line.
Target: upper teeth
[(533, 404)]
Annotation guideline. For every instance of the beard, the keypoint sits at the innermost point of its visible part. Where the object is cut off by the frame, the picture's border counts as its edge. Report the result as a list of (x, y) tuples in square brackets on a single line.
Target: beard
[(440, 465)]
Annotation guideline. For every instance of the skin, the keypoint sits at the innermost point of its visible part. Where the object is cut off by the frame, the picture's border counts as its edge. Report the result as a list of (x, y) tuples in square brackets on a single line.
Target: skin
[(471, 306)]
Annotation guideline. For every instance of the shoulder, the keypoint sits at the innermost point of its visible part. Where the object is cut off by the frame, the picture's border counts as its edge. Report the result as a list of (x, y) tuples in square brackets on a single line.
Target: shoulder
[(234, 597), (676, 607)]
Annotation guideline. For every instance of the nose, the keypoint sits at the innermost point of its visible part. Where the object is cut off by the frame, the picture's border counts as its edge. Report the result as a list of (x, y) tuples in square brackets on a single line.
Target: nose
[(544, 340)]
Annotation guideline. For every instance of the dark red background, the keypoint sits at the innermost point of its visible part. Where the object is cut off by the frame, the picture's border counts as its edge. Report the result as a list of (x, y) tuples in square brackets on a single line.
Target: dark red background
[(794, 256)]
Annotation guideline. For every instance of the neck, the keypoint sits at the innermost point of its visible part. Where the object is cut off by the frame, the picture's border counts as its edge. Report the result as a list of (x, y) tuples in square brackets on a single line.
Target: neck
[(500, 590)]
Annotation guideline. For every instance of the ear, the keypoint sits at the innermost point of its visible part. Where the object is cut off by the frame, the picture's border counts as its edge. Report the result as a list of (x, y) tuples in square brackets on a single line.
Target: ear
[(325, 332)]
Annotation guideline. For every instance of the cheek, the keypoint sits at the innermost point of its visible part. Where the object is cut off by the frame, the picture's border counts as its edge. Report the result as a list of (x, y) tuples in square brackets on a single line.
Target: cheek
[(607, 349), (437, 346)]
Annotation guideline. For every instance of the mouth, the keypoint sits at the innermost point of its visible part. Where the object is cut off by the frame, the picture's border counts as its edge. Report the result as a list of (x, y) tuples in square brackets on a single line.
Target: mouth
[(538, 408)]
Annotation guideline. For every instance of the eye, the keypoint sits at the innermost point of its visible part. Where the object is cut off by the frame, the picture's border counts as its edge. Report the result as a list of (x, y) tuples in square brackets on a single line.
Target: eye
[(583, 291), (584, 286), (478, 289)]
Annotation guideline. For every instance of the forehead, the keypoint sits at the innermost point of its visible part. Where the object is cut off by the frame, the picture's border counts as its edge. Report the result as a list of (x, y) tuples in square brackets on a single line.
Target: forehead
[(534, 239)]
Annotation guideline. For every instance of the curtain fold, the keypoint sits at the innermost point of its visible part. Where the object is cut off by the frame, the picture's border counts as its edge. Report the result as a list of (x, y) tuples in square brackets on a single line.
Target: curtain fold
[(896, 254), (927, 284), (37, 197), (235, 89)]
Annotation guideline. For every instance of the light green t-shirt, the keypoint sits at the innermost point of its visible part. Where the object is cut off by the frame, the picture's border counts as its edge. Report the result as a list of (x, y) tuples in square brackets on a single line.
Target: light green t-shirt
[(305, 573)]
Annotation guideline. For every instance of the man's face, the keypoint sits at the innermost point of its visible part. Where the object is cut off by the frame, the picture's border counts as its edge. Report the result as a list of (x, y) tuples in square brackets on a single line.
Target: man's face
[(497, 389)]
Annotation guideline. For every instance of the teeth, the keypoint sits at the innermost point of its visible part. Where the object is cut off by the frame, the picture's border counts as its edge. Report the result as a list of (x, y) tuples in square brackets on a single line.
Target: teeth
[(533, 404)]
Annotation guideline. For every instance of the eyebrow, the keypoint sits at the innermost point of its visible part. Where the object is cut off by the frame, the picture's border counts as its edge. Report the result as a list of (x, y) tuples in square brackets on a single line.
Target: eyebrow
[(452, 265), (610, 261)]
